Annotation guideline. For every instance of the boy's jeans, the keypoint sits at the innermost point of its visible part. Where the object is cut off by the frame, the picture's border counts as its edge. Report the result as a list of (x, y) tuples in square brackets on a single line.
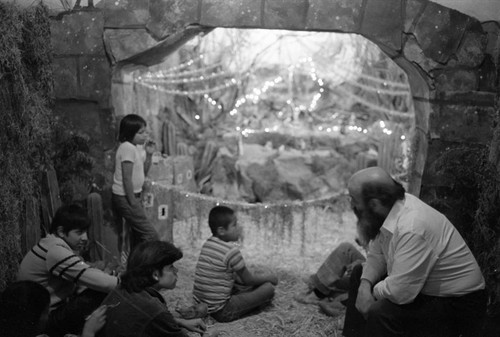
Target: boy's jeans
[(242, 303), (69, 318), (330, 277)]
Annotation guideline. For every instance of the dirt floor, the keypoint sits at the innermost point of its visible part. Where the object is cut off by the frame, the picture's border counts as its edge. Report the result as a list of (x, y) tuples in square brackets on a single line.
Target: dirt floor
[(285, 317)]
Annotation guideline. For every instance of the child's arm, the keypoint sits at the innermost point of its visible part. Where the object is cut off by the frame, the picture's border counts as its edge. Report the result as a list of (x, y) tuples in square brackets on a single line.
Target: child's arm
[(63, 263), (194, 325), (253, 279), (127, 169), (149, 147)]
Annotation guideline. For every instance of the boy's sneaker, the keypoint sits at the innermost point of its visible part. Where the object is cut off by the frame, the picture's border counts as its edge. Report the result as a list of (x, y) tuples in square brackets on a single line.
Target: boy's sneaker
[(331, 308), (307, 297), (343, 299), (307, 280)]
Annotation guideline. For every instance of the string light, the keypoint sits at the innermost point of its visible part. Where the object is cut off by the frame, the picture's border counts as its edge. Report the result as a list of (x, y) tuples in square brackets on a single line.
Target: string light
[(254, 97), (225, 85), (172, 76), (372, 105), (171, 70), (160, 80), (378, 80), (187, 72)]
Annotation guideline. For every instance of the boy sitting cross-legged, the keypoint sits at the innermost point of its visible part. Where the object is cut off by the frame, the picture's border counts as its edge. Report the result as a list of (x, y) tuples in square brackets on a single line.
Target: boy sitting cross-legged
[(76, 289), (221, 268)]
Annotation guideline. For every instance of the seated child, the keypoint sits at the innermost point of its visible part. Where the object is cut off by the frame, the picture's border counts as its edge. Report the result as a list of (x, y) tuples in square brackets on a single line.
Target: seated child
[(75, 288), (220, 264), (24, 310), (136, 308)]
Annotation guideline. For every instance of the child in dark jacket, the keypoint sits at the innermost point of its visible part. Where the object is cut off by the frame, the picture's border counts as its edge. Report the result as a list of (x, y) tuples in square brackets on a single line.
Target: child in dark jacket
[(136, 308)]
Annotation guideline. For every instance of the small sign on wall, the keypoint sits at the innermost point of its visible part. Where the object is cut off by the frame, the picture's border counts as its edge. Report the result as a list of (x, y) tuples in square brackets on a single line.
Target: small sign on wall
[(162, 212), (179, 179)]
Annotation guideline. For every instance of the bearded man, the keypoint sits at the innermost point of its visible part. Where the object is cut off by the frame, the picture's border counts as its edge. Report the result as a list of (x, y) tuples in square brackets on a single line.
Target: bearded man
[(419, 272)]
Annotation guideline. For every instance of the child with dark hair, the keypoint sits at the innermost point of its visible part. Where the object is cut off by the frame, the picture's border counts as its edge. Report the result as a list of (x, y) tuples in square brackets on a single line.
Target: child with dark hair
[(136, 308), (75, 288), (222, 280), (24, 310), (131, 167)]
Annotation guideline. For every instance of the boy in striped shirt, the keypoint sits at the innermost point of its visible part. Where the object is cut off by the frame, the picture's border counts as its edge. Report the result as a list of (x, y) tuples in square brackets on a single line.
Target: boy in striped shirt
[(75, 288), (220, 264)]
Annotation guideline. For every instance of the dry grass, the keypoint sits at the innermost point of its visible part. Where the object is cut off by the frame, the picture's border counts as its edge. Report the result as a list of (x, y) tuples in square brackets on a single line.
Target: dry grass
[(285, 317)]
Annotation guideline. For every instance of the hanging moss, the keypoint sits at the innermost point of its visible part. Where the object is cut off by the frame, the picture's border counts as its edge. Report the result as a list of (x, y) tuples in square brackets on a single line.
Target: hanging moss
[(25, 88), (471, 202), (73, 164)]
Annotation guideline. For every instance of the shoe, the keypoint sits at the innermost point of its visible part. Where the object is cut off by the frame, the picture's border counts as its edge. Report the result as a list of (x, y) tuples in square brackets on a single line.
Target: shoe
[(331, 308), (307, 297), (342, 299), (199, 310), (308, 282)]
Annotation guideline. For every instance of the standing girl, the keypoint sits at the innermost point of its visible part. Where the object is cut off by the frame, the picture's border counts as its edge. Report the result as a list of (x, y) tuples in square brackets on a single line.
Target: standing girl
[(131, 167)]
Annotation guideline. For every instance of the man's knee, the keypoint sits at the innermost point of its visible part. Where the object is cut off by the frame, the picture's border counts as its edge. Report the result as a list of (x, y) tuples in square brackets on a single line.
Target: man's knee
[(380, 317), (377, 311), (345, 246)]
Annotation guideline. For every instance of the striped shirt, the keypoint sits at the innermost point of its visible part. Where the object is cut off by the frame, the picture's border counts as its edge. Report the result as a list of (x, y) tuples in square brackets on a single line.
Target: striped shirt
[(213, 278), (54, 265)]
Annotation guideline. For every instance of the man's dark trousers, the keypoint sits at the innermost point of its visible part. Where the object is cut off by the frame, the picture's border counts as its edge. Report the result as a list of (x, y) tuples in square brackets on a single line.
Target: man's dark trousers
[(425, 316)]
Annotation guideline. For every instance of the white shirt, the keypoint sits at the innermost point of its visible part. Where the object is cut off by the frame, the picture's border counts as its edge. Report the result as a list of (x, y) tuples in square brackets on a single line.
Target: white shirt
[(131, 153), (421, 252)]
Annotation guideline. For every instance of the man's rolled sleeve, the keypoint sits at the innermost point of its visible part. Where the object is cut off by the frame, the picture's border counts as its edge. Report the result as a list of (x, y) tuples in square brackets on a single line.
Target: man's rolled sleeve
[(375, 266), (413, 261)]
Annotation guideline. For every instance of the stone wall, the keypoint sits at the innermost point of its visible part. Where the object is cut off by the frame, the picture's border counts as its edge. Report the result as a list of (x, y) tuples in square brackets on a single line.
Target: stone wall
[(282, 229), (450, 58)]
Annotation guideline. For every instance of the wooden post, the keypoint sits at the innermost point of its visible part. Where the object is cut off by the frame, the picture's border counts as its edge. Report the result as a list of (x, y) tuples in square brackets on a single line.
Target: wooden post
[(31, 231), (50, 199), (95, 212)]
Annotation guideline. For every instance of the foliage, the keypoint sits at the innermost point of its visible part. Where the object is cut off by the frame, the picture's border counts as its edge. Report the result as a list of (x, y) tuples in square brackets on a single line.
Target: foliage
[(25, 88), (474, 196)]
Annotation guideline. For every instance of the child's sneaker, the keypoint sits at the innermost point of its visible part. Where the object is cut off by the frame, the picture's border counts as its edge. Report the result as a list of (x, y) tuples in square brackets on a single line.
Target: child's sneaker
[(331, 308), (307, 297)]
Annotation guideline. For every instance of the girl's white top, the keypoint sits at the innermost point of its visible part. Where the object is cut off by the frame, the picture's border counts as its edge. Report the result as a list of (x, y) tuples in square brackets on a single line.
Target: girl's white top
[(131, 153)]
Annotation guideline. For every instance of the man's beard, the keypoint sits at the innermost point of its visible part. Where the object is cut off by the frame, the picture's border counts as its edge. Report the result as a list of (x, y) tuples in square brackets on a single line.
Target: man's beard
[(369, 223)]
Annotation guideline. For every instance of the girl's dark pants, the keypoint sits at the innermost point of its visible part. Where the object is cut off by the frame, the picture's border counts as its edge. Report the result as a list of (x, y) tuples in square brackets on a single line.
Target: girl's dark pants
[(135, 216)]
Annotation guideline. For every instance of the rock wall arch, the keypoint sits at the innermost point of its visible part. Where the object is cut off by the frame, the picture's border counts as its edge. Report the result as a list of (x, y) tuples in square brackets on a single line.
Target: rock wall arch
[(451, 59)]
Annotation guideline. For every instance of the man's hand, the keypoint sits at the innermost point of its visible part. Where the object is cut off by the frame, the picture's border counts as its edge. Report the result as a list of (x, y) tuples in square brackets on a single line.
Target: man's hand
[(351, 266), (365, 297), (194, 325)]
